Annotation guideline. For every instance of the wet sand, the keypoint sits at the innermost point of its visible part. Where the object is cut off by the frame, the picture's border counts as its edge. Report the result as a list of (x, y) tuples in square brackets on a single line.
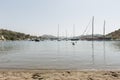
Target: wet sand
[(59, 75)]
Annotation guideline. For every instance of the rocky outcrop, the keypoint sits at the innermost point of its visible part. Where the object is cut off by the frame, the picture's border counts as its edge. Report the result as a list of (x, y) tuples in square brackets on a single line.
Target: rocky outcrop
[(115, 35), (2, 38)]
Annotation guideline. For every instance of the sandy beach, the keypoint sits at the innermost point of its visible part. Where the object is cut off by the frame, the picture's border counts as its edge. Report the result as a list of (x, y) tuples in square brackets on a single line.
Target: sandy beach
[(59, 75)]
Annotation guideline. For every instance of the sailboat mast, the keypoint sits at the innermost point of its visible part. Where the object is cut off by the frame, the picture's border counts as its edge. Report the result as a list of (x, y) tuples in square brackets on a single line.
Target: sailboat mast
[(66, 34), (104, 30), (58, 32), (92, 27), (73, 30), (92, 40)]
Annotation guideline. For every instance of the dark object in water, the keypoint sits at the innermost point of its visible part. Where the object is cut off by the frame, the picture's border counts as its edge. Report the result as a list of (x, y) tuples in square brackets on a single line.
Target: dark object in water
[(73, 43)]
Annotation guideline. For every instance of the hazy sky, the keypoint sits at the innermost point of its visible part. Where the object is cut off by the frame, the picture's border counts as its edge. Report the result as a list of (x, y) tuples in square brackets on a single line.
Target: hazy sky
[(38, 17)]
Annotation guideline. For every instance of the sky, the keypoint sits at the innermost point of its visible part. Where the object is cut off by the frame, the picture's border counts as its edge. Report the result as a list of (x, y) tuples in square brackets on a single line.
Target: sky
[(38, 17)]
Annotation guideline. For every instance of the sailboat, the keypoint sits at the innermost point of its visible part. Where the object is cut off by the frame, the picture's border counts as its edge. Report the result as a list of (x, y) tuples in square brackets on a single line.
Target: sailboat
[(92, 37), (96, 37), (58, 37), (104, 37), (74, 38)]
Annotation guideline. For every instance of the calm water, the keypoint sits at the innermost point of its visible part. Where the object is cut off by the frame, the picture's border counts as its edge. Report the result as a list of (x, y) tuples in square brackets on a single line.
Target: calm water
[(60, 55)]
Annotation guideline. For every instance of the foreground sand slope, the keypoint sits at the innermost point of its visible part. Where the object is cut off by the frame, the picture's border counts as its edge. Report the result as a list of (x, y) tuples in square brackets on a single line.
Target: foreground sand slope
[(59, 75)]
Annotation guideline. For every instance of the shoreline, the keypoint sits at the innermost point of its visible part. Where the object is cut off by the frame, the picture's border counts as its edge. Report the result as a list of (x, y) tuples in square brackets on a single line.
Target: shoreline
[(41, 69), (48, 74)]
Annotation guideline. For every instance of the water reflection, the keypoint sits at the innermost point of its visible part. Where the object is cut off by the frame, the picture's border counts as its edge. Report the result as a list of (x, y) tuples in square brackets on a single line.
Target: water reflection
[(93, 62), (7, 46), (116, 45), (98, 53), (58, 48), (104, 52)]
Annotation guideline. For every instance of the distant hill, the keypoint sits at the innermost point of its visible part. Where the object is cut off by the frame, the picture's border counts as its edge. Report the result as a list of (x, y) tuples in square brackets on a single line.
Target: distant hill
[(82, 37), (48, 37), (12, 35), (114, 35)]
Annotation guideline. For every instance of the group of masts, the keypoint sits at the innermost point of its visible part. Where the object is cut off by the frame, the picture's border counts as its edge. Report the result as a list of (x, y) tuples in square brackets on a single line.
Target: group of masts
[(92, 35), (73, 36), (93, 29)]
